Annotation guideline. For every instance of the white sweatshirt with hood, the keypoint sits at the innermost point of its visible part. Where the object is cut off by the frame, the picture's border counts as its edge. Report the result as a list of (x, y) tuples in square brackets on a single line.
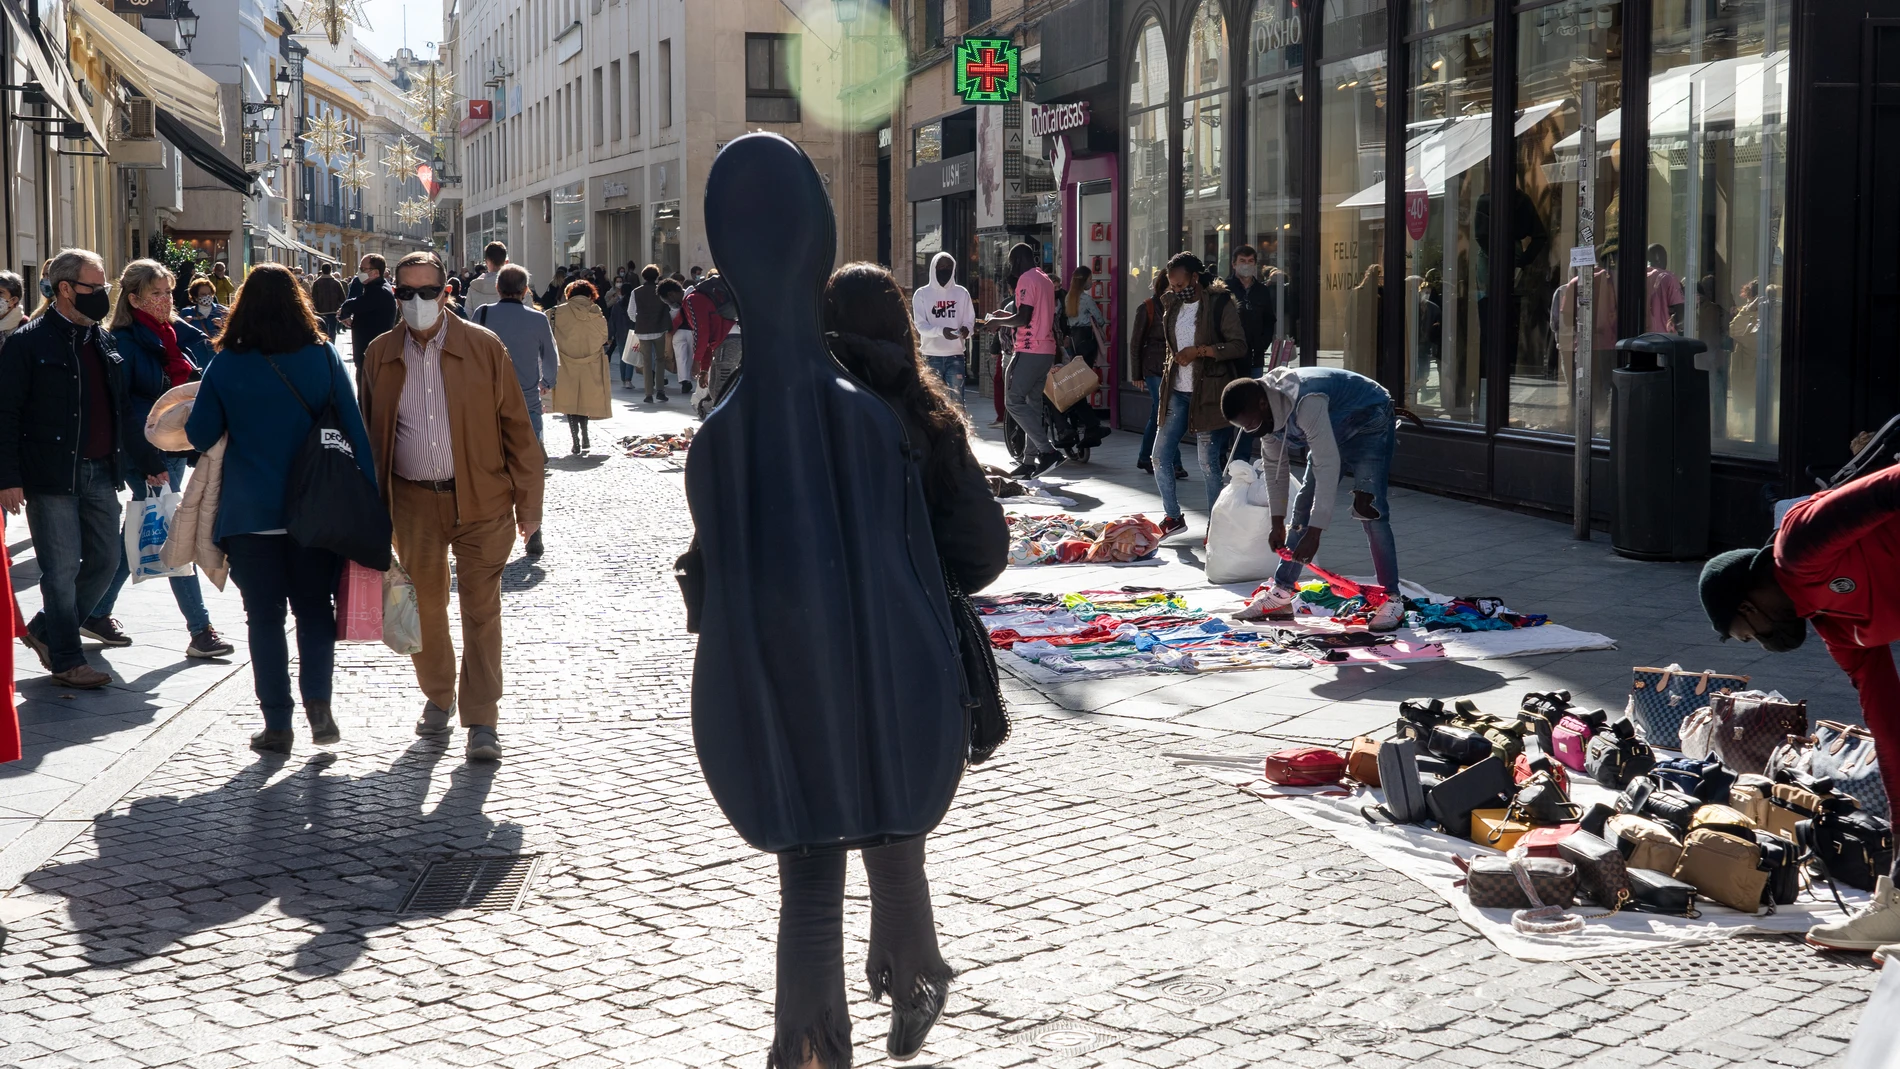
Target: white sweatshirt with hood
[(1310, 418), (934, 307), (481, 291)]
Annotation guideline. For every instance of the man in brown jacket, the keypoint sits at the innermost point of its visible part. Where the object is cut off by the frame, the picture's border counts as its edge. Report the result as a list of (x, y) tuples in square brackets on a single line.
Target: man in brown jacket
[(460, 469), (1207, 349)]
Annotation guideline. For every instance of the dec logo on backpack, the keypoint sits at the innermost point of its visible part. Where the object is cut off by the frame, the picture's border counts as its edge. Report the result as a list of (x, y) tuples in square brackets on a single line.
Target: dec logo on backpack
[(331, 438)]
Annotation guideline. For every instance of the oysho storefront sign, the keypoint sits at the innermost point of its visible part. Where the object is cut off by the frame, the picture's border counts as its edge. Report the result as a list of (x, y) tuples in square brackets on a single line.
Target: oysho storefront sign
[(1046, 121)]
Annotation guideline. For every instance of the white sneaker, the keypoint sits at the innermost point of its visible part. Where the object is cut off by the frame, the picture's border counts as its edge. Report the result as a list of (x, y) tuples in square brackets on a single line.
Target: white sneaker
[(1271, 601), (1881, 956), (1875, 926), (1389, 616)]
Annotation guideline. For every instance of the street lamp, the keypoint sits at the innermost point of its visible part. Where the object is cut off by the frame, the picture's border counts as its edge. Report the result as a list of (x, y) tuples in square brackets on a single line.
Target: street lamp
[(187, 22), (848, 10), (283, 82), (289, 153)]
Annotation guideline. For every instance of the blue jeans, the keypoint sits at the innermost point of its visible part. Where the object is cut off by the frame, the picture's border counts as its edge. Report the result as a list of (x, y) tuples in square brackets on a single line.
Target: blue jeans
[(1154, 418), (1211, 446), (1367, 451), (653, 361), (76, 541), (534, 415), (185, 589), (952, 370), (272, 571)]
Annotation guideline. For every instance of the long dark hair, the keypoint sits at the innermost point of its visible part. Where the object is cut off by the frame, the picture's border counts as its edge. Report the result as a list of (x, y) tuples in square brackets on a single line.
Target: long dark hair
[(864, 303), (269, 314)]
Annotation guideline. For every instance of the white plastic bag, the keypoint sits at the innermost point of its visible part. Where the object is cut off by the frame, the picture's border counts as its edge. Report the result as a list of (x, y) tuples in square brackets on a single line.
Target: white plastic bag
[(1238, 531), (146, 524), (402, 619)]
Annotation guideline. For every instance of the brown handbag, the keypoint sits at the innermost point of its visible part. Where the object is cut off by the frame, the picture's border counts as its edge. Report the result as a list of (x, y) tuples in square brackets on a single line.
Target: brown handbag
[(1362, 760), (1645, 843), (1747, 729), (1492, 883), (1723, 867)]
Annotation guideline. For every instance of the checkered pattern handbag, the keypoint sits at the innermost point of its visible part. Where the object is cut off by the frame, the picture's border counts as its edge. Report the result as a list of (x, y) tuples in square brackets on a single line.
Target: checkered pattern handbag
[(1662, 698)]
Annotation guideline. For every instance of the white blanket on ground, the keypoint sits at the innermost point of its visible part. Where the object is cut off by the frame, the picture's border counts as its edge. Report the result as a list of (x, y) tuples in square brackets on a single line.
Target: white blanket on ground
[(1426, 856)]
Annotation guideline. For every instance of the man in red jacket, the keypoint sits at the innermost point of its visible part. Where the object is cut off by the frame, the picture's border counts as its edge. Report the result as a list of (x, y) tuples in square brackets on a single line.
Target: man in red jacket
[(1834, 562)]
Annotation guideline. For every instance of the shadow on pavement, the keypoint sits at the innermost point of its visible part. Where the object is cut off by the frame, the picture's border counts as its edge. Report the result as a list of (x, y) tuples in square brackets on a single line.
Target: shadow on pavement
[(56, 717), (521, 574), (337, 852)]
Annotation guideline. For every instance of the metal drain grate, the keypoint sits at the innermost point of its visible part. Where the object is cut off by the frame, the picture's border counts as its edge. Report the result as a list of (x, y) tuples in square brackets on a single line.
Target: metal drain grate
[(1067, 1037), (1194, 990), (487, 884), (1755, 957), (1338, 874)]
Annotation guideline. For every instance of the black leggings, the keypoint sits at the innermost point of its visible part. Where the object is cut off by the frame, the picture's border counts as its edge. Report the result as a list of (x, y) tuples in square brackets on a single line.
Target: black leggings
[(812, 1017), (577, 426)]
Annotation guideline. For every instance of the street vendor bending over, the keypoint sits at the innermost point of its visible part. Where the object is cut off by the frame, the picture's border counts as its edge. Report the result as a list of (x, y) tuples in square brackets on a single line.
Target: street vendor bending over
[(1836, 562), (1338, 416)]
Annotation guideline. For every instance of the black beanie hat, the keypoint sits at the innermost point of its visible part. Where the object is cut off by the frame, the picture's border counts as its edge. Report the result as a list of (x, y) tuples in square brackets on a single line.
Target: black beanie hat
[(1726, 581)]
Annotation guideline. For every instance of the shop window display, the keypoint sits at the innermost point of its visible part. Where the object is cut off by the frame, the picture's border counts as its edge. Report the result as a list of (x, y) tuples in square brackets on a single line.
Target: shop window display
[(1447, 197), (1352, 105), (1562, 47), (1206, 217), (1275, 104), (1146, 167), (1718, 108)]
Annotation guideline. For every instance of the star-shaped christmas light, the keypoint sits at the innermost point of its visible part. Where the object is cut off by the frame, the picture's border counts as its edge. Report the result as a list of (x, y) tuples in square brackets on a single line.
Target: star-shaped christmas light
[(355, 176), (415, 210), (328, 135), (333, 17), (401, 159), (432, 98)]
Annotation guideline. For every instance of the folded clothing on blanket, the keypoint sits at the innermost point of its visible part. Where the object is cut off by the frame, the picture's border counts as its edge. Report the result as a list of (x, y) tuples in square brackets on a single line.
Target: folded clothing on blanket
[(1064, 539), (1102, 632)]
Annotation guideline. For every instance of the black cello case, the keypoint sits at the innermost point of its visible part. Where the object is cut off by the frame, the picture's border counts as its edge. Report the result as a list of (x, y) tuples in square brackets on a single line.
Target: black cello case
[(827, 690)]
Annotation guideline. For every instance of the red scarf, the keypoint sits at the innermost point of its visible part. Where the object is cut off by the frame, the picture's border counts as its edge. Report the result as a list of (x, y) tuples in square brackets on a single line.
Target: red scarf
[(177, 367)]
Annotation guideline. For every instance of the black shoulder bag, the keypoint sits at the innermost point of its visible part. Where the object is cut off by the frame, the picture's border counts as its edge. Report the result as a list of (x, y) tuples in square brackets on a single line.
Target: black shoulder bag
[(989, 717), (329, 503)]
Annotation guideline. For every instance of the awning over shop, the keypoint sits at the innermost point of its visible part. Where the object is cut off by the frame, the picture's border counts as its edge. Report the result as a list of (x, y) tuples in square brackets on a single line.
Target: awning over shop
[(49, 72), (201, 152), (318, 253), (173, 84), (277, 239)]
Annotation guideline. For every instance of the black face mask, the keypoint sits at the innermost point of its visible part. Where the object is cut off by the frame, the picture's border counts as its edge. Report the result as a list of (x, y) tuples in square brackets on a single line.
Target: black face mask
[(94, 306), (1785, 636)]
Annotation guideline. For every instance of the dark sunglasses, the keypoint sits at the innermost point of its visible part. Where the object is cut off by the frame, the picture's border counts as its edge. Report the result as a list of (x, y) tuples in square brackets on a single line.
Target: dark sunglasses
[(427, 293)]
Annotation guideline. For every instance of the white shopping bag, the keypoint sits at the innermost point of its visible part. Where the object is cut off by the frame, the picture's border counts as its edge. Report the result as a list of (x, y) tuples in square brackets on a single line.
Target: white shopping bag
[(1239, 530), (402, 617), (146, 524)]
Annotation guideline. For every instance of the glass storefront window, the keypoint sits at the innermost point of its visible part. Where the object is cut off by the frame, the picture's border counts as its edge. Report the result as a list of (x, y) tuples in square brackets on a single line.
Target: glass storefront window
[(1275, 103), (1351, 161), (666, 235), (1206, 219), (1447, 188), (570, 225), (1718, 108), (1561, 48), (926, 228), (1146, 168)]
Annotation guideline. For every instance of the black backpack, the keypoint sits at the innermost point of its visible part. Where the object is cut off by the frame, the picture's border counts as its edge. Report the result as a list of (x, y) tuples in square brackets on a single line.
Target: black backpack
[(329, 502), (715, 289)]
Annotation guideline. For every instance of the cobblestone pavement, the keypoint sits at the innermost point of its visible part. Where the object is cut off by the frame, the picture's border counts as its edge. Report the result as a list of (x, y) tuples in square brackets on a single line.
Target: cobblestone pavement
[(1101, 906)]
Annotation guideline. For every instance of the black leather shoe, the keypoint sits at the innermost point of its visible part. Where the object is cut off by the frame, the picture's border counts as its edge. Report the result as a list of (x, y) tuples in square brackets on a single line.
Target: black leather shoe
[(268, 741), (534, 544), (910, 1024), (323, 729)]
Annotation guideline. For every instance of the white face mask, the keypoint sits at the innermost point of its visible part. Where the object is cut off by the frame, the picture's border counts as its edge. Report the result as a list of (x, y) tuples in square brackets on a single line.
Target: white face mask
[(420, 314), (363, 277), (206, 304)]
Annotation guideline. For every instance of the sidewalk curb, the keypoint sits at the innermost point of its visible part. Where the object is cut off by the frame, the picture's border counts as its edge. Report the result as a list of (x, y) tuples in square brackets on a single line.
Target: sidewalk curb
[(59, 828)]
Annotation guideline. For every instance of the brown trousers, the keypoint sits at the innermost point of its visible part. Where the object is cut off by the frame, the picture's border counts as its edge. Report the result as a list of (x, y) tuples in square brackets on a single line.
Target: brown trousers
[(425, 534)]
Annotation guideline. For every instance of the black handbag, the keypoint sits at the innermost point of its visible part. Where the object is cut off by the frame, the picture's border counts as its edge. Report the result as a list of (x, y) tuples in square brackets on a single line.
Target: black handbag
[(1462, 746), (1781, 859), (1852, 847), (1600, 868), (1418, 716), (1541, 803), (1705, 779), (329, 503), (1658, 892), (1595, 818), (1399, 780), (982, 684), (1485, 785), (1672, 808), (849, 728), (1615, 757), (1552, 705)]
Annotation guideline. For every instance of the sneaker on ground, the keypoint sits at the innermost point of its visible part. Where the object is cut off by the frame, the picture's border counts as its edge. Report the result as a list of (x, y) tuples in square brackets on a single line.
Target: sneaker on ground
[(483, 743), (435, 719), (1875, 925), (105, 629), (1172, 525), (1047, 463), (82, 677), (1389, 616), (1269, 601), (208, 643), (1886, 953)]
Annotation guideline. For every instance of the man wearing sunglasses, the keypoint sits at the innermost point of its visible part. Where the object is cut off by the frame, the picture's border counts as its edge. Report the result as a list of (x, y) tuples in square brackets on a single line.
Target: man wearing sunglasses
[(460, 469), (62, 455), (370, 310)]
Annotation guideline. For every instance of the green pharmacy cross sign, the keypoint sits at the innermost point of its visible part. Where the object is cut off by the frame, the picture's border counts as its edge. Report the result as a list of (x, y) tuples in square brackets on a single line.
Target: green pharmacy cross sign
[(987, 70)]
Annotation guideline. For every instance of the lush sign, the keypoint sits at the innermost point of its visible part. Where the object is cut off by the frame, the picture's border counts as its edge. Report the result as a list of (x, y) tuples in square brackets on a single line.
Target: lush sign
[(987, 70)]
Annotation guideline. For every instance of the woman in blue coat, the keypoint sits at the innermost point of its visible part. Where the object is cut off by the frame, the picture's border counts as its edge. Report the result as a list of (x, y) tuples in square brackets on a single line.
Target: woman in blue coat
[(202, 309), (160, 351), (273, 369)]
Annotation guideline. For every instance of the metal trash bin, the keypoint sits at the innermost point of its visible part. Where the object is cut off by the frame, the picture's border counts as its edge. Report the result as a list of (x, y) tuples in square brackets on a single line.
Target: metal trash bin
[(1659, 449)]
